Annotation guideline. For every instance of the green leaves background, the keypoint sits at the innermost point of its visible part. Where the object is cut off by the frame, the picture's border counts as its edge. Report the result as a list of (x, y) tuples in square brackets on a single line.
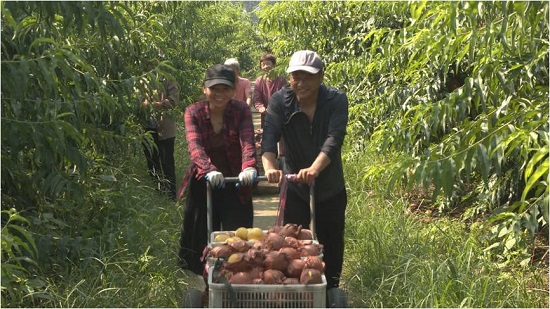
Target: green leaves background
[(453, 94), (73, 74), (457, 91)]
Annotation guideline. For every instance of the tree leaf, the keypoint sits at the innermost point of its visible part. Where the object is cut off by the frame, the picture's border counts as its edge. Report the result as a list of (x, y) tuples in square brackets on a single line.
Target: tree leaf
[(542, 170), (483, 161), (448, 171), (539, 155)]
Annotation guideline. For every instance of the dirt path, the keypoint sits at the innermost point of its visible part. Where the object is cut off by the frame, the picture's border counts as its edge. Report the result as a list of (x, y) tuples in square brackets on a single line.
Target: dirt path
[(265, 211), (266, 195)]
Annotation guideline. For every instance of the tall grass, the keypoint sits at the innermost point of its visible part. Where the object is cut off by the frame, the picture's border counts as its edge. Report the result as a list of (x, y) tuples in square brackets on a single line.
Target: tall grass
[(397, 259), (136, 262)]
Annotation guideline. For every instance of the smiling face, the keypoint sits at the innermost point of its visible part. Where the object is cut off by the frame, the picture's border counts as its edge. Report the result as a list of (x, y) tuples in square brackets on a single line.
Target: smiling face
[(266, 65), (218, 96), (306, 85)]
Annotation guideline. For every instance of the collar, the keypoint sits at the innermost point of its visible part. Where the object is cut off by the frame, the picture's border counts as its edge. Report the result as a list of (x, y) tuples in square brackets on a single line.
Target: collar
[(290, 101)]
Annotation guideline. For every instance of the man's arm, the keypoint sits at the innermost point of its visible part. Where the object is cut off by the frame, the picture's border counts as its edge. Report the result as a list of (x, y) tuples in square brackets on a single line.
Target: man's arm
[(307, 175), (269, 161), (337, 127)]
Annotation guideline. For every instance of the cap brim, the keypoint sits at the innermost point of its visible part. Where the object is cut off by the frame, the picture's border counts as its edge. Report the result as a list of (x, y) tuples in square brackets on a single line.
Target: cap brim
[(306, 68), (212, 82)]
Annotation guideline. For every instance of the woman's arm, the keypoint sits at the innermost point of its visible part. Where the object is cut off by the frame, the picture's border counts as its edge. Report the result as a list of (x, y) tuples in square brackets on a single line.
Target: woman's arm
[(195, 143)]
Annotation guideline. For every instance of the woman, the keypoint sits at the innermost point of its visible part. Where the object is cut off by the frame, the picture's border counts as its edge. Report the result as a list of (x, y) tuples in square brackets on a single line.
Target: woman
[(220, 139)]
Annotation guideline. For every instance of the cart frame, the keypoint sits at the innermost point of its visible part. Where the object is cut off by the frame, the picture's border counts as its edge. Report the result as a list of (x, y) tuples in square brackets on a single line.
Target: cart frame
[(258, 295), (225, 295)]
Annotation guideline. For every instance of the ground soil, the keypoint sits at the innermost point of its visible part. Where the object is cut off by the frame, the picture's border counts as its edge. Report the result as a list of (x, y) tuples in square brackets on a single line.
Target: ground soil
[(266, 195)]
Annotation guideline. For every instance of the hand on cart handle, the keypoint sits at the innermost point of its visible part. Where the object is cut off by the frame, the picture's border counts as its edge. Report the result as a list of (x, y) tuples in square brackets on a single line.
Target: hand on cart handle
[(216, 179), (248, 176), (237, 181), (276, 176), (306, 176), (291, 177)]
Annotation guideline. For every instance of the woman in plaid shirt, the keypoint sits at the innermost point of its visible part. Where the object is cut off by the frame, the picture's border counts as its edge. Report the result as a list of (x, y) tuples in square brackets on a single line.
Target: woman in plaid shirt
[(220, 138)]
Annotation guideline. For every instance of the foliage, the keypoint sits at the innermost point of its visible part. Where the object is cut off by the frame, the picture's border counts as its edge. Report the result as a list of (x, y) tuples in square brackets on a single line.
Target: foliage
[(225, 31), (18, 255), (447, 88), (73, 75), (394, 259), (458, 89)]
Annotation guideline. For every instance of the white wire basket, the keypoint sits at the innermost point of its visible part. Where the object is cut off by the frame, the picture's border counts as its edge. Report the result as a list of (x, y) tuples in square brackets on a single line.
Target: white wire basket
[(267, 295)]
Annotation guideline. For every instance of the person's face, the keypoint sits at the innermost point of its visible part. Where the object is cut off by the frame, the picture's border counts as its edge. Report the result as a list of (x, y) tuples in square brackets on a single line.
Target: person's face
[(266, 65), (305, 85), (218, 96)]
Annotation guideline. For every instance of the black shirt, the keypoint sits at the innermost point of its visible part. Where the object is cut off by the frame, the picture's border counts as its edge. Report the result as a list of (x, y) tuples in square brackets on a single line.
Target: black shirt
[(304, 140)]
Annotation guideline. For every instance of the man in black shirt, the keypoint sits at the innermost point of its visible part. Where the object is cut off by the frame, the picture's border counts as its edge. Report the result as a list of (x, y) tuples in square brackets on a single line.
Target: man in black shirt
[(311, 119)]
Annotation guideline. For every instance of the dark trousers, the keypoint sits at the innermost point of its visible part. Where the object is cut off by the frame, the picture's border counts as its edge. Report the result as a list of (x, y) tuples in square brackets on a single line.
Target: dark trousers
[(228, 214), (329, 224), (161, 165)]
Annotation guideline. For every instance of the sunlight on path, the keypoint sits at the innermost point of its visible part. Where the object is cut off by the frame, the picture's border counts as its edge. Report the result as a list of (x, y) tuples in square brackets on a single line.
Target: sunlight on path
[(266, 195)]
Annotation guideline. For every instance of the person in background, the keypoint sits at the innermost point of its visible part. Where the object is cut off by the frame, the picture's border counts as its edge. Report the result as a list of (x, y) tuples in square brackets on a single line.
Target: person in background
[(220, 140), (266, 84), (312, 119), (243, 87), (162, 126)]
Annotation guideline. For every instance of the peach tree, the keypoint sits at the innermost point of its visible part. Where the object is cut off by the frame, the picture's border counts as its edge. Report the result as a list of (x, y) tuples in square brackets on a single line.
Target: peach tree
[(456, 92)]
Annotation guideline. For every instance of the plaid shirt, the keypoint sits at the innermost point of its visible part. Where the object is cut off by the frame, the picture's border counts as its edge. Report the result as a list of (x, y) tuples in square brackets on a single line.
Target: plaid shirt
[(238, 135)]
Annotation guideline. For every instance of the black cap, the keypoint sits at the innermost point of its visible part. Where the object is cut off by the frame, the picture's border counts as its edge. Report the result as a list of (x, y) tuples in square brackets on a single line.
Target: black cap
[(219, 74)]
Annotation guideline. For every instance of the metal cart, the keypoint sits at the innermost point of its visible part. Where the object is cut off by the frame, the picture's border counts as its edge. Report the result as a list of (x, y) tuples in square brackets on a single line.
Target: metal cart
[(225, 295)]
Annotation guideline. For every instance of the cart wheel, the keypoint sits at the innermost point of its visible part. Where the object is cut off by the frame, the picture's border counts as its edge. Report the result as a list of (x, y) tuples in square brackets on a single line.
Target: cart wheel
[(192, 299), (337, 298)]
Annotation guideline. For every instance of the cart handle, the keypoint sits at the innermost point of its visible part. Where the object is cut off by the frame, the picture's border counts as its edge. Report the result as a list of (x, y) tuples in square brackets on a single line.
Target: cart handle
[(209, 207), (236, 179), (288, 177)]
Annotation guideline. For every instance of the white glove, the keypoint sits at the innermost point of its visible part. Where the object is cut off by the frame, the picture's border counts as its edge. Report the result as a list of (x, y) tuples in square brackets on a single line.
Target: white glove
[(247, 176), (216, 179)]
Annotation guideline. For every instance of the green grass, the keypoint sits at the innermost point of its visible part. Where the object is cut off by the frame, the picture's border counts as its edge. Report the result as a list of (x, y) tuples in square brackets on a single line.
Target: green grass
[(392, 259), (139, 270), (134, 263), (395, 259)]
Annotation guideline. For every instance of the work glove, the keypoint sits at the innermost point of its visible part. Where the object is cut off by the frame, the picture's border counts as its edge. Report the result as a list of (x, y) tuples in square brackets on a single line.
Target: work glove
[(216, 179), (247, 176)]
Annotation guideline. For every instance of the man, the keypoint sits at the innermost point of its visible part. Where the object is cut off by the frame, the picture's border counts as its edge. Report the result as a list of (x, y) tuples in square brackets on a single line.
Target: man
[(162, 125), (243, 87), (312, 120)]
